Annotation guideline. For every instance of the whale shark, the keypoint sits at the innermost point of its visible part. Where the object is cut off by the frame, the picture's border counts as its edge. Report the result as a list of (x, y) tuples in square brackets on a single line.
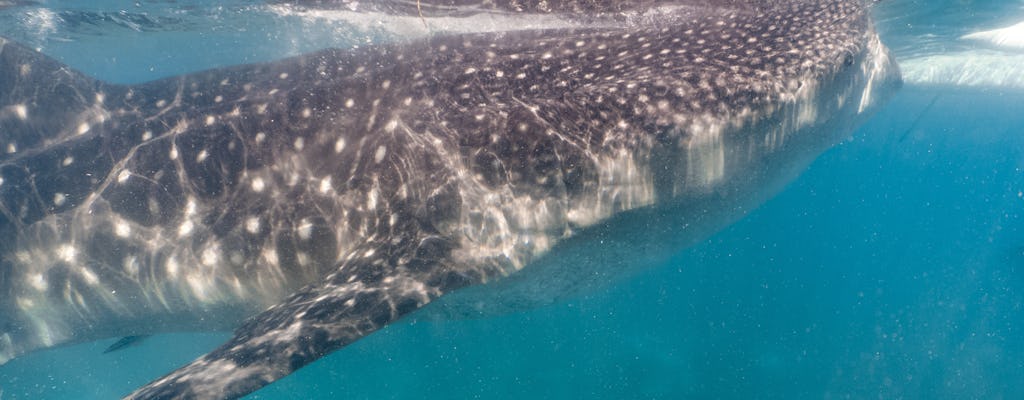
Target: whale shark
[(307, 202)]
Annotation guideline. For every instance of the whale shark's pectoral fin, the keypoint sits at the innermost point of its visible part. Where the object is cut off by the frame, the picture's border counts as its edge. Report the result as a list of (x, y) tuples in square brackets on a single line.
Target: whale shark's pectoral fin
[(365, 293), (125, 342)]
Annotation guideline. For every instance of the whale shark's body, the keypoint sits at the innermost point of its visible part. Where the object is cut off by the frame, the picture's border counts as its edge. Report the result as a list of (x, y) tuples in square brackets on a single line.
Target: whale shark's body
[(308, 202)]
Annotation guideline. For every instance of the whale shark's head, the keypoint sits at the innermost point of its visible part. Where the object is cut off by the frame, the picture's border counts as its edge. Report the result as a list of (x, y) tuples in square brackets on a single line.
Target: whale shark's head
[(757, 98)]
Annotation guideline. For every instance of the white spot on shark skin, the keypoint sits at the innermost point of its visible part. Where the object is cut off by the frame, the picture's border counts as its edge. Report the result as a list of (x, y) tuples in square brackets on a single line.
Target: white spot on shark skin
[(147, 135), (339, 145), (218, 99), (12, 148), (299, 143), (83, 128), (306, 112), (190, 207), (172, 268), (371, 199), (122, 229), (391, 125), (38, 281), (59, 199), (378, 156), (67, 252), (349, 103), (261, 109), (252, 225), (270, 255), (403, 191), (210, 257), (123, 176), (258, 185), (325, 185), (185, 229), (210, 120), (161, 103), (385, 85), (284, 75), (203, 154), (67, 161), (21, 111), (260, 137), (174, 153), (305, 229)]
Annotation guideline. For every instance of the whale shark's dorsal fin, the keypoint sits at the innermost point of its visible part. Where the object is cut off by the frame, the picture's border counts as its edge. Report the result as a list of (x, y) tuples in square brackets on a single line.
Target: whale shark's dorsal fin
[(30, 82), (69, 97)]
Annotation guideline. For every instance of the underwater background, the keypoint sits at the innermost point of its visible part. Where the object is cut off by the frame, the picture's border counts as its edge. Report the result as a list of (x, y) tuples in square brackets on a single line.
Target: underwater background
[(892, 268)]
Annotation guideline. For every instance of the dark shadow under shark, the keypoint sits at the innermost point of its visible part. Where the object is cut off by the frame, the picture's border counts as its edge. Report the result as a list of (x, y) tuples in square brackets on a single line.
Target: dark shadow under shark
[(308, 202)]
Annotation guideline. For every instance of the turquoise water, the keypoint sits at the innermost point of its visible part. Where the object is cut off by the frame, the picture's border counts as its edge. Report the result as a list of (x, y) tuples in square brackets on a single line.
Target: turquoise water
[(892, 268)]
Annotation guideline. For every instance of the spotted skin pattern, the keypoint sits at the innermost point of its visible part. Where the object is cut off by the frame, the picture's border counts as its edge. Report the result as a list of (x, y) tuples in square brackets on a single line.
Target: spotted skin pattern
[(310, 201)]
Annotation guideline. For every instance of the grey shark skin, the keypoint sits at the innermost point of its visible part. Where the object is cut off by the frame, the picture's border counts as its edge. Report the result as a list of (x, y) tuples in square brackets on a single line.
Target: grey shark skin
[(311, 201)]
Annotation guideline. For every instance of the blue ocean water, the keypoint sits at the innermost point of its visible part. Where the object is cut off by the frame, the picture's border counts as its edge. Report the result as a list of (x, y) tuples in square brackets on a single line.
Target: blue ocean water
[(892, 268)]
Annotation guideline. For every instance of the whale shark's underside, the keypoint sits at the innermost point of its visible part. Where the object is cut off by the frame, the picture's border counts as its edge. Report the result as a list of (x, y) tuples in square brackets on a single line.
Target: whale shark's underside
[(307, 202)]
